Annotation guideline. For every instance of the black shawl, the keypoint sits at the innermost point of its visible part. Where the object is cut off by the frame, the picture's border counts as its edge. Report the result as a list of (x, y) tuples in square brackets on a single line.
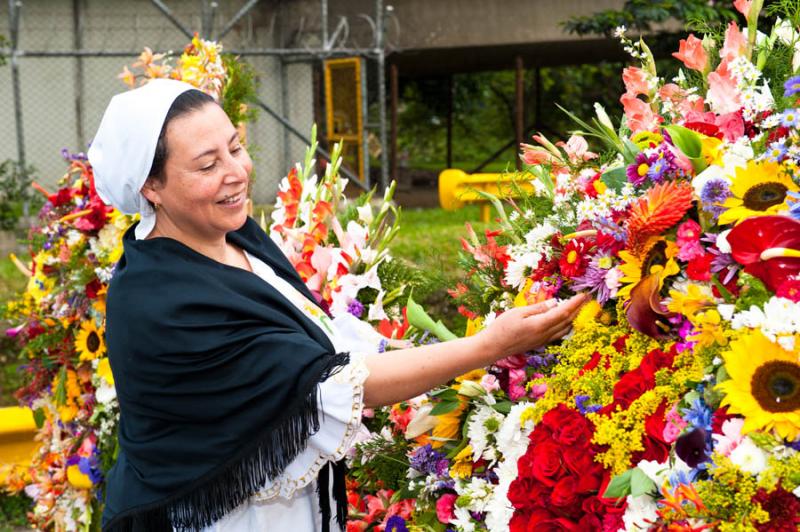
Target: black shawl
[(216, 375)]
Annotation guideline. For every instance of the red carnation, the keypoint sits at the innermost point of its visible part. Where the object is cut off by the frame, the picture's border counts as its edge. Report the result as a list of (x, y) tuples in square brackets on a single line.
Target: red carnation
[(783, 509)]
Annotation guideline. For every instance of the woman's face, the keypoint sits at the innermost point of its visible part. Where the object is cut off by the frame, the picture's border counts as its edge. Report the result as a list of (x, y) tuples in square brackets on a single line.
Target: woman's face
[(207, 171)]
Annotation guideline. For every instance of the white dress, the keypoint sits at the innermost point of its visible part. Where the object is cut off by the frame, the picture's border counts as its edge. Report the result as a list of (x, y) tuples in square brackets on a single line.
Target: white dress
[(290, 502)]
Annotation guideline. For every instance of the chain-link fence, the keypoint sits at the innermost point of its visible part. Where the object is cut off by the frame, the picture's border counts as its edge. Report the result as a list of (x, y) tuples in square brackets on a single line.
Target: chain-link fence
[(66, 56)]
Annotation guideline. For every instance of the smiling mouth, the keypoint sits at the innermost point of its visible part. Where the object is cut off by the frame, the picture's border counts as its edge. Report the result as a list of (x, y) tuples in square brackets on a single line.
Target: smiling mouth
[(230, 200)]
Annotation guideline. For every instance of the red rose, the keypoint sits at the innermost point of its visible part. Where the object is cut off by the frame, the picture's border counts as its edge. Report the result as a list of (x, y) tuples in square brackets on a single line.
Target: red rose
[(593, 505), (591, 478), (560, 524), (656, 360), (655, 446), (547, 462), (590, 522), (564, 495), (574, 433), (577, 460), (631, 386)]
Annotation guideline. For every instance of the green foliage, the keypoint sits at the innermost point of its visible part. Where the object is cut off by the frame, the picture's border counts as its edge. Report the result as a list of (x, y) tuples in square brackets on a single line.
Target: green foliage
[(12, 511), (15, 191), (642, 15), (240, 89), (381, 464)]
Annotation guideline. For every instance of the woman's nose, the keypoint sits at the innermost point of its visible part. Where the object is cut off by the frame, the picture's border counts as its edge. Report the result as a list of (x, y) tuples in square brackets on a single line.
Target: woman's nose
[(236, 169)]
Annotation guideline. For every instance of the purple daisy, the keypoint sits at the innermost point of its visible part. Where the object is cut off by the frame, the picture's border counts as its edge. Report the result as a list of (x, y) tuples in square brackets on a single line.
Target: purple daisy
[(594, 279), (637, 172), (792, 86)]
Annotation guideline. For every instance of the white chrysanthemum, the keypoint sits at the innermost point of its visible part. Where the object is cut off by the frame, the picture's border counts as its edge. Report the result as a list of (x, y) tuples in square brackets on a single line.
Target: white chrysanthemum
[(749, 457), (520, 267), (483, 423), (780, 318), (463, 520), (539, 234)]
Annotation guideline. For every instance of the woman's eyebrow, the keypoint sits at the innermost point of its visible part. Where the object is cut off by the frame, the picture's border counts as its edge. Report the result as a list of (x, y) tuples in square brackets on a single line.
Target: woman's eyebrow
[(213, 150)]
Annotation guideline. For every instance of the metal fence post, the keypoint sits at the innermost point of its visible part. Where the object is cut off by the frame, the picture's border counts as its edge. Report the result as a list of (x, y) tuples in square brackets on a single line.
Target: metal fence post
[(14, 7), (382, 92)]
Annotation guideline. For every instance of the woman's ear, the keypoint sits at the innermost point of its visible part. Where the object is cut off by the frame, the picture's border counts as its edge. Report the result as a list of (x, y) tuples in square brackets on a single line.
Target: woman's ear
[(150, 190)]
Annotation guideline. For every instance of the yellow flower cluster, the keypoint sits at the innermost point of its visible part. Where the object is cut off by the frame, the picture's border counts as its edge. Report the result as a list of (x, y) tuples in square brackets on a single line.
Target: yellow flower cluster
[(728, 496), (622, 432)]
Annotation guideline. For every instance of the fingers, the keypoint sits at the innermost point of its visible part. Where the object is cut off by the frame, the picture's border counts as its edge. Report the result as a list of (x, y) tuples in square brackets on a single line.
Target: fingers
[(564, 311), (538, 308)]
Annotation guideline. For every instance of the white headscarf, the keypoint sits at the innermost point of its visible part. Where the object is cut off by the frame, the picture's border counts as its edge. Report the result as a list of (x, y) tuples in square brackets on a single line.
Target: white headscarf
[(122, 151)]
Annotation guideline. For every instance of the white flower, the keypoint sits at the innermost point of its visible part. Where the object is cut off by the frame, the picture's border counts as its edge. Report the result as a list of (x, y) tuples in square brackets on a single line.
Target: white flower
[(463, 520), (483, 423), (749, 457), (105, 394), (520, 267), (787, 342), (365, 213), (376, 312), (730, 438), (641, 512)]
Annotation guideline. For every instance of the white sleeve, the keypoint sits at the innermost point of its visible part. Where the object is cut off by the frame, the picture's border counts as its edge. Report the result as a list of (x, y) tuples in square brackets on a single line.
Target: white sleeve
[(341, 400)]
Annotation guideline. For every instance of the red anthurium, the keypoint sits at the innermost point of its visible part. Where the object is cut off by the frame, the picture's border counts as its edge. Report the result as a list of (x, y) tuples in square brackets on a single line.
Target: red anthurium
[(768, 247)]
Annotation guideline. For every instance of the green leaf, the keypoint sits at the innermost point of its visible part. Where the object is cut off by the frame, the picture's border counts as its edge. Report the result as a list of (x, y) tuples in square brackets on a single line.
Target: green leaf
[(615, 178), (620, 486), (689, 143), (445, 407), (38, 417), (61, 388), (446, 394), (504, 407), (641, 484), (420, 319)]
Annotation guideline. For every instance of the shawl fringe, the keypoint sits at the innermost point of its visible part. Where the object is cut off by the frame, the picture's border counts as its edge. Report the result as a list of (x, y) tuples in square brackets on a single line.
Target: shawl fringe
[(216, 494)]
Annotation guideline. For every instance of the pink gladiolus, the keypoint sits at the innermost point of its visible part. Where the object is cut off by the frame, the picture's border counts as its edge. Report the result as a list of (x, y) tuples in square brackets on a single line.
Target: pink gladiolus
[(577, 149), (444, 508), (635, 80), (639, 114), (692, 53), (743, 6), (723, 93), (731, 125), (534, 155), (735, 44)]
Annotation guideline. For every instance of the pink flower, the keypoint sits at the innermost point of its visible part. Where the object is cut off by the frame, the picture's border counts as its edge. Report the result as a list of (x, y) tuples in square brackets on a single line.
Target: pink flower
[(723, 94), (368, 413), (689, 240), (639, 114), (680, 100), (516, 380), (731, 125), (735, 44), (673, 426), (538, 390), (635, 80), (692, 53), (743, 6), (444, 508), (534, 155), (731, 436), (577, 149), (401, 415), (401, 508), (490, 383)]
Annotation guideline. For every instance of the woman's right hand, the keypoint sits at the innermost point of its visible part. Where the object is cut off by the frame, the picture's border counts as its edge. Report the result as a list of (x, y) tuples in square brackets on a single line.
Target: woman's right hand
[(523, 329)]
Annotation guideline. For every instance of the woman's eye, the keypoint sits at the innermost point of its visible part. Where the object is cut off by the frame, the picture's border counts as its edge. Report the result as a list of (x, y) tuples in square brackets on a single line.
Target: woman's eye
[(236, 149), (209, 167)]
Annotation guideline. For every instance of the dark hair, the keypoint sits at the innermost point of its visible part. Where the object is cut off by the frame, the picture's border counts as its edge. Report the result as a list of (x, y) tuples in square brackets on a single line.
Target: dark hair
[(185, 103)]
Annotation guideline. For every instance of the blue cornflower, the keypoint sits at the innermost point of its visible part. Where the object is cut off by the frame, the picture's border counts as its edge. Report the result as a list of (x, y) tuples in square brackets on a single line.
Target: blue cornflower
[(790, 118), (792, 86), (699, 415), (777, 151)]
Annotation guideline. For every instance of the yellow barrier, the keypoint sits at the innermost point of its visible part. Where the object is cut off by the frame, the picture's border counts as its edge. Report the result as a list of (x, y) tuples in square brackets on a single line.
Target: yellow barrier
[(458, 188), (17, 444)]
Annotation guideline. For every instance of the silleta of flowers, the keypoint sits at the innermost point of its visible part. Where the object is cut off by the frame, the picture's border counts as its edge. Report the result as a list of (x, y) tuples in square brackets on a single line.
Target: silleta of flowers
[(675, 402)]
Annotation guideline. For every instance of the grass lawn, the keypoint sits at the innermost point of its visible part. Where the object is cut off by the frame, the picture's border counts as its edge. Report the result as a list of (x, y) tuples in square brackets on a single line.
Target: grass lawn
[(430, 239)]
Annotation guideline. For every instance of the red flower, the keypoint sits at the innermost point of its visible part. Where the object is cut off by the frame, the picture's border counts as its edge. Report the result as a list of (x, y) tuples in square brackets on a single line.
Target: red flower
[(574, 258), (564, 493), (783, 508), (699, 268), (757, 243), (790, 289), (547, 463)]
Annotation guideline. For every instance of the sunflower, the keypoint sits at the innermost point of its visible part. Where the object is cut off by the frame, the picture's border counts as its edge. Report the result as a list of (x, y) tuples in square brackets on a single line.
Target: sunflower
[(764, 386), (89, 341), (659, 257), (758, 189)]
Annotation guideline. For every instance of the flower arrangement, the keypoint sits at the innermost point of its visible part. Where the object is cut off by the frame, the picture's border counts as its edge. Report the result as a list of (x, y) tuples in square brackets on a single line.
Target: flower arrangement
[(675, 402)]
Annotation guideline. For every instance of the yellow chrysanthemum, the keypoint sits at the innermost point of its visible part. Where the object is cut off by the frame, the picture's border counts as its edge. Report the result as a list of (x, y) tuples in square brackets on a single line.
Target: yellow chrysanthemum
[(759, 189), (764, 386), (462, 463), (659, 258), (89, 341)]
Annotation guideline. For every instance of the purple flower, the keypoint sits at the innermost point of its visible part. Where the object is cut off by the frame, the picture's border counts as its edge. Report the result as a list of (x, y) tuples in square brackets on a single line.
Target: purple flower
[(637, 172), (396, 524), (792, 86), (580, 402), (594, 279), (714, 193), (356, 308), (777, 151), (691, 447), (426, 460), (790, 118), (794, 204)]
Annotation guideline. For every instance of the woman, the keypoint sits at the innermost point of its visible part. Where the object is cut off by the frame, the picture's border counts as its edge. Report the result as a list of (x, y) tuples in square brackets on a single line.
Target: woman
[(238, 397)]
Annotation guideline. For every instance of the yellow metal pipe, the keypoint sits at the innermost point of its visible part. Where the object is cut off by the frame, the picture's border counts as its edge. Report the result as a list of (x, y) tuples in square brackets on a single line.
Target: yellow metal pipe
[(458, 188), (17, 444)]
